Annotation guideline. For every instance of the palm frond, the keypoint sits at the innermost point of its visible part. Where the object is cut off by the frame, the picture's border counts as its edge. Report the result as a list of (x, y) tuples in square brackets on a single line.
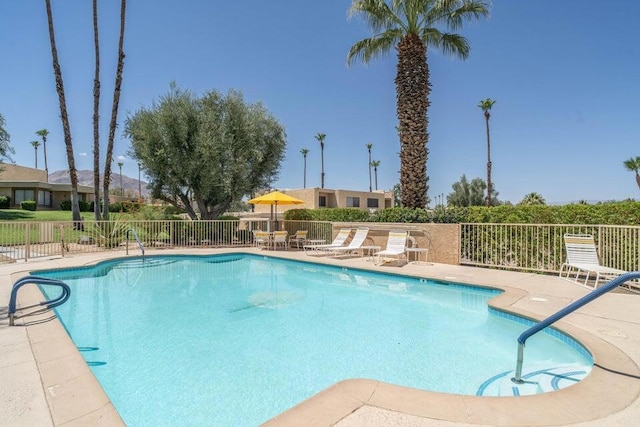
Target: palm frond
[(376, 13), (470, 10), (374, 47), (448, 44)]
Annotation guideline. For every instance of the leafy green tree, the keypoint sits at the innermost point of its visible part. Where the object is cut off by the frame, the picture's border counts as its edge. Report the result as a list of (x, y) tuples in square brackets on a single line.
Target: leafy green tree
[(66, 128), (397, 195), (114, 110), (375, 164), (203, 153), (5, 147), (486, 105), (35, 145), (532, 199), (412, 27), (320, 137), (43, 134), (304, 153), (633, 165), (467, 193), (369, 146)]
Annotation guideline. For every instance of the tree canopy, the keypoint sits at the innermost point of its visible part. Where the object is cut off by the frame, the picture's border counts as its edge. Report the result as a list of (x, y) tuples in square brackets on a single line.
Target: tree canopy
[(203, 153), (5, 147), (472, 193)]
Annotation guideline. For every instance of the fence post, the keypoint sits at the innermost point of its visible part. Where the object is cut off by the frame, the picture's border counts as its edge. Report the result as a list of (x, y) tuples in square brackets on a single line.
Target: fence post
[(27, 246), (62, 240)]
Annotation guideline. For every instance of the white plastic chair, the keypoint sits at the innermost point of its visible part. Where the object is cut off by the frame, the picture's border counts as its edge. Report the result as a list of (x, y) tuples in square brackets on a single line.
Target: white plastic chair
[(582, 259), (354, 245), (396, 247)]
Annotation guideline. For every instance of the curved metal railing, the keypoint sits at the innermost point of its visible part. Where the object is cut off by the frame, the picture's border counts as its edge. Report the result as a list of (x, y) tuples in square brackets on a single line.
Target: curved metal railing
[(47, 305), (562, 313), (135, 235)]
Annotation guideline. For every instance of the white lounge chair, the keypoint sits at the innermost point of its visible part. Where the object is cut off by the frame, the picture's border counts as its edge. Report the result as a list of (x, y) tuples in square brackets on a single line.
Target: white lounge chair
[(354, 245), (396, 247), (338, 241), (582, 259), (299, 238)]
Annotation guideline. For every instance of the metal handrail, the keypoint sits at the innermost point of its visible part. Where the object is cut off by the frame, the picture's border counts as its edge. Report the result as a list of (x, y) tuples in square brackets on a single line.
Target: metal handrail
[(562, 313), (61, 299), (135, 235)]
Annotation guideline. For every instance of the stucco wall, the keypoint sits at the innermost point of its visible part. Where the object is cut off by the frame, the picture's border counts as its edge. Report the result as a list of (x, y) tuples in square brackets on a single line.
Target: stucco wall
[(22, 173), (442, 240)]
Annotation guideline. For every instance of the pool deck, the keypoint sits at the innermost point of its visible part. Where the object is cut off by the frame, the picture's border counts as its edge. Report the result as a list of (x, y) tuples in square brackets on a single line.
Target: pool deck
[(45, 381)]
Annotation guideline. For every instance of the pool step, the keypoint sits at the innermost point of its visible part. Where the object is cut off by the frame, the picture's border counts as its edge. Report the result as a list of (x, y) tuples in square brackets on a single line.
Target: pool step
[(142, 263), (536, 380)]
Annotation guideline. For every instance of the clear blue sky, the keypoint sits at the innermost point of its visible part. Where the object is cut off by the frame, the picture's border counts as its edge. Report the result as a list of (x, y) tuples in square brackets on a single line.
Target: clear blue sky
[(565, 75)]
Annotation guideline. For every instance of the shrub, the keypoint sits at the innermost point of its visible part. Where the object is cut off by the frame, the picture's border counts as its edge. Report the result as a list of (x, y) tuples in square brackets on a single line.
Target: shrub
[(299, 215), (65, 205), (341, 215), (28, 205), (400, 214), (5, 202)]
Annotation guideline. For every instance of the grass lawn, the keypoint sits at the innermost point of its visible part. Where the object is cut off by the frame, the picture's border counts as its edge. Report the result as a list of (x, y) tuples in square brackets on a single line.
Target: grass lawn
[(41, 216)]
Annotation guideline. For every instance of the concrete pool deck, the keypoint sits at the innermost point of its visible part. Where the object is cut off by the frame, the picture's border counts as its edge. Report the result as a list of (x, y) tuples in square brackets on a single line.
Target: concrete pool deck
[(45, 381)]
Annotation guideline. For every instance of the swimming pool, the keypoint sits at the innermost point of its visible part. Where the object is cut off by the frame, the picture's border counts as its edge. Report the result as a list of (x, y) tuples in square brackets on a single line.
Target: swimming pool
[(237, 339)]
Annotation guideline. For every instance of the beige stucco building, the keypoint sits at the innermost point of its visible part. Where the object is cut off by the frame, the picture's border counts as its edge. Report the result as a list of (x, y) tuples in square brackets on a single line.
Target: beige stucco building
[(22, 183), (327, 198)]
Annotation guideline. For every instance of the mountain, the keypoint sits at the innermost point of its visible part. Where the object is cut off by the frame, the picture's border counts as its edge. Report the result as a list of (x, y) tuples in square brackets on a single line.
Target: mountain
[(85, 177)]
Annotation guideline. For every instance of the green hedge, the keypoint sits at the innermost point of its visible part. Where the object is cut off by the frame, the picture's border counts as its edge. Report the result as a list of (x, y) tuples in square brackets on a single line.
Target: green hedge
[(5, 202), (328, 214), (28, 205)]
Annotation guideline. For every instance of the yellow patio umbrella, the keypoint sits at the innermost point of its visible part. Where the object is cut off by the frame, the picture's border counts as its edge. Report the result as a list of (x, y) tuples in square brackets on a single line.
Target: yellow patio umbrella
[(275, 198)]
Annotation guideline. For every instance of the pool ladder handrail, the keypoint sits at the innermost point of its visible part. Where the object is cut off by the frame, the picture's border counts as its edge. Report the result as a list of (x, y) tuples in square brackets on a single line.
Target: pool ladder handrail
[(135, 235), (614, 283), (61, 299)]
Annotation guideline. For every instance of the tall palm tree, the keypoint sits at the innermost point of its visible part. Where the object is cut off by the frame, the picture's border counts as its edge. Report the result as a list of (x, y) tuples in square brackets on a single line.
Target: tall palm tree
[(114, 111), (369, 149), (320, 137), (375, 164), (485, 105), (533, 199), (411, 27), (304, 153), (121, 187), (44, 133), (36, 144), (96, 117), (73, 174), (633, 165)]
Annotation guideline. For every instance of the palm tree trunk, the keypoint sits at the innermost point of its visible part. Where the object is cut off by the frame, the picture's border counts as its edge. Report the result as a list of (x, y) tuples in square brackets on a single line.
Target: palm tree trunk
[(36, 150), (304, 180), (412, 88), (114, 112), (75, 208), (96, 118), (322, 165), (376, 172), (370, 171), (486, 117), (44, 149), (638, 179)]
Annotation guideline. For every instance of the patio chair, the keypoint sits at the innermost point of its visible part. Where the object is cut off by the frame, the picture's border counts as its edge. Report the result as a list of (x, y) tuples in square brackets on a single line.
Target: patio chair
[(298, 238), (338, 241), (354, 245), (280, 239), (582, 259), (396, 247), (261, 239)]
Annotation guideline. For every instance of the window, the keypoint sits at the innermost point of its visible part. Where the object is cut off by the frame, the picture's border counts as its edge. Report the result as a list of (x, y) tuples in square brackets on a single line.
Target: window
[(22, 195), (353, 202), (322, 202), (44, 198), (372, 203)]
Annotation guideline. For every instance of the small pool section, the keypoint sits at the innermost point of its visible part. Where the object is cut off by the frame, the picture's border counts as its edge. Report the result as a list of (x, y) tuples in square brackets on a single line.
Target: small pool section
[(237, 339)]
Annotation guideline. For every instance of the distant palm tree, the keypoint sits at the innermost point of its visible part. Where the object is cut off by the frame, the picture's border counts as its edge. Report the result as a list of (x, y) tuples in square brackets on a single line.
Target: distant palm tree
[(36, 144), (304, 153), (121, 187), (533, 199), (114, 111), (96, 116), (320, 137), (73, 173), (375, 164), (43, 133), (633, 165), (486, 105), (411, 27), (369, 149)]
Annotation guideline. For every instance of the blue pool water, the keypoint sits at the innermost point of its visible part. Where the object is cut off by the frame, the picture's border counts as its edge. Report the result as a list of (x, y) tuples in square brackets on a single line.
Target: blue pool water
[(237, 339)]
